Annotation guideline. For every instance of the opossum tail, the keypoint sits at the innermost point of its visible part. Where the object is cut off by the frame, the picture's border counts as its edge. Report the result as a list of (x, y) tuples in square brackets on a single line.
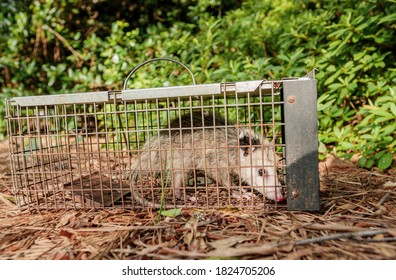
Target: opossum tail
[(137, 196)]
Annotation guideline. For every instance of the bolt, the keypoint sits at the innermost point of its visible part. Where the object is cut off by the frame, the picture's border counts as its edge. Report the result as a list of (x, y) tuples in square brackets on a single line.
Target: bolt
[(291, 99), (294, 193)]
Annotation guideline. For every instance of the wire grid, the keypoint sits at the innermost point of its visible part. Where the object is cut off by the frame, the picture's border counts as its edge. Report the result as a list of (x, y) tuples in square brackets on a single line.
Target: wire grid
[(81, 156)]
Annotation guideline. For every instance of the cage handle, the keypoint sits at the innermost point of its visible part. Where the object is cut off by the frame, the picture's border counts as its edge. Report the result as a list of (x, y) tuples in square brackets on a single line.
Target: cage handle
[(158, 59)]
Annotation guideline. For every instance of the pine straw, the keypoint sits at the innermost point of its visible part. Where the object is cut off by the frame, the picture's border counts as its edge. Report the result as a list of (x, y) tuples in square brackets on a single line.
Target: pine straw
[(357, 221)]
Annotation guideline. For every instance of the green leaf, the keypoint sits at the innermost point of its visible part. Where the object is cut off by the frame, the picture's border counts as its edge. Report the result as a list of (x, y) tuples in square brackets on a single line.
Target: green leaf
[(283, 57), (385, 161), (332, 78), (347, 145), (362, 26), (382, 113), (331, 68), (393, 109), (336, 112), (171, 212), (370, 162), (322, 107), (383, 119), (335, 86), (387, 139), (322, 147), (337, 132), (367, 137), (379, 155), (388, 18), (366, 162), (388, 129), (379, 40), (362, 161), (323, 98)]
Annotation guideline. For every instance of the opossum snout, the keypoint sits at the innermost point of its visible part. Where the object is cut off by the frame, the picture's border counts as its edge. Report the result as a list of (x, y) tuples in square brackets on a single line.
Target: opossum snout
[(256, 152), (272, 188), (274, 192)]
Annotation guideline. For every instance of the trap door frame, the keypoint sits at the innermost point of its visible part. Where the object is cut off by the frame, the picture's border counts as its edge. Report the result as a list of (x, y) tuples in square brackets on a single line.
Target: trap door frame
[(301, 140)]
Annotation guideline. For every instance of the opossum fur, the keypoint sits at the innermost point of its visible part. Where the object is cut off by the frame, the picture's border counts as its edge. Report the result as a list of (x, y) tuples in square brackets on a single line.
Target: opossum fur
[(205, 142)]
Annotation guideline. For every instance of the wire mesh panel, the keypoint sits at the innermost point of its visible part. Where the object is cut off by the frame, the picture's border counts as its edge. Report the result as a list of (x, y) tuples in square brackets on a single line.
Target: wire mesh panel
[(66, 155), (208, 150), (201, 146)]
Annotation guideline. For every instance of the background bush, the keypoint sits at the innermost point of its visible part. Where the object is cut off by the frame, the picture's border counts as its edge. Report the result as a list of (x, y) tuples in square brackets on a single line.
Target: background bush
[(50, 47)]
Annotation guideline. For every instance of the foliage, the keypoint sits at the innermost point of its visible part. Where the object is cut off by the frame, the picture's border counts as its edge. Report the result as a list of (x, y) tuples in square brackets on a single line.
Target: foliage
[(66, 46)]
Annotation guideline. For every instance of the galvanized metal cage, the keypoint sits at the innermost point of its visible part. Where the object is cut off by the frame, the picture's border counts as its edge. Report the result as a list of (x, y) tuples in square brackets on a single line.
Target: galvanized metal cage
[(83, 150)]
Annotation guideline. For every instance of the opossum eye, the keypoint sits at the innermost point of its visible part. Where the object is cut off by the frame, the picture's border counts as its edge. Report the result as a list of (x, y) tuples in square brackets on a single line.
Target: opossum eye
[(262, 172)]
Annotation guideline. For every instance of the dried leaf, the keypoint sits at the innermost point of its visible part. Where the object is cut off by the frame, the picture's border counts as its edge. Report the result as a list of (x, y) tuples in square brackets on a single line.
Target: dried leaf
[(332, 163), (66, 233), (66, 218), (381, 211), (389, 184), (97, 219), (189, 236), (348, 206), (229, 242)]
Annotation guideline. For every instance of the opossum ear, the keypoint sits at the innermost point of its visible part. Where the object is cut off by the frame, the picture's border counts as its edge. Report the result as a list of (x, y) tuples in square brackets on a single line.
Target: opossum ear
[(246, 150), (248, 141)]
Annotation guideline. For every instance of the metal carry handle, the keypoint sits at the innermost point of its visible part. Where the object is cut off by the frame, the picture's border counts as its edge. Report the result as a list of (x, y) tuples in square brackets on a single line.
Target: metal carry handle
[(157, 59)]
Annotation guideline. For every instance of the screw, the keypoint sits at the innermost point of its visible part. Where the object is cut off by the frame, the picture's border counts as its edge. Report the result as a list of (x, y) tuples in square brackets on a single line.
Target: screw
[(291, 99)]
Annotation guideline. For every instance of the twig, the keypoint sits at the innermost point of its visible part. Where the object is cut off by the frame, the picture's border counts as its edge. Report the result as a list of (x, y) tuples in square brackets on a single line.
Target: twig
[(384, 198), (378, 174), (37, 41), (344, 235), (332, 226), (389, 239), (64, 41), (348, 182)]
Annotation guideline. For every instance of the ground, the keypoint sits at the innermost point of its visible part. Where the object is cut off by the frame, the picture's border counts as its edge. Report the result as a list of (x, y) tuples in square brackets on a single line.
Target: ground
[(357, 220)]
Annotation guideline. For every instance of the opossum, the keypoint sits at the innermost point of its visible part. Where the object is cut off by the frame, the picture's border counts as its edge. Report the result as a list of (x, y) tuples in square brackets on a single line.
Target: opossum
[(205, 142)]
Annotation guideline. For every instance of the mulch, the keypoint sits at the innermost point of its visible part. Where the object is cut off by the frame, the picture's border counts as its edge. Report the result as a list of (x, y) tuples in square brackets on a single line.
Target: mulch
[(357, 220)]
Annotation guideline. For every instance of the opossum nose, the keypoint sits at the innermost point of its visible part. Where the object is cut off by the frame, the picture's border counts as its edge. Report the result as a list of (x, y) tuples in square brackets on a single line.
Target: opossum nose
[(280, 198)]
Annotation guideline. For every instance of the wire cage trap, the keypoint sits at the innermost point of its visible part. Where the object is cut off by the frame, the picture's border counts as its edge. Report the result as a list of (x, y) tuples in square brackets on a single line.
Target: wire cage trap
[(250, 144)]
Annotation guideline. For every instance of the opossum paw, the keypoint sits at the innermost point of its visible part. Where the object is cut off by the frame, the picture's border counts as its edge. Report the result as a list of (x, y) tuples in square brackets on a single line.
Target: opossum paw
[(244, 195), (179, 194)]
